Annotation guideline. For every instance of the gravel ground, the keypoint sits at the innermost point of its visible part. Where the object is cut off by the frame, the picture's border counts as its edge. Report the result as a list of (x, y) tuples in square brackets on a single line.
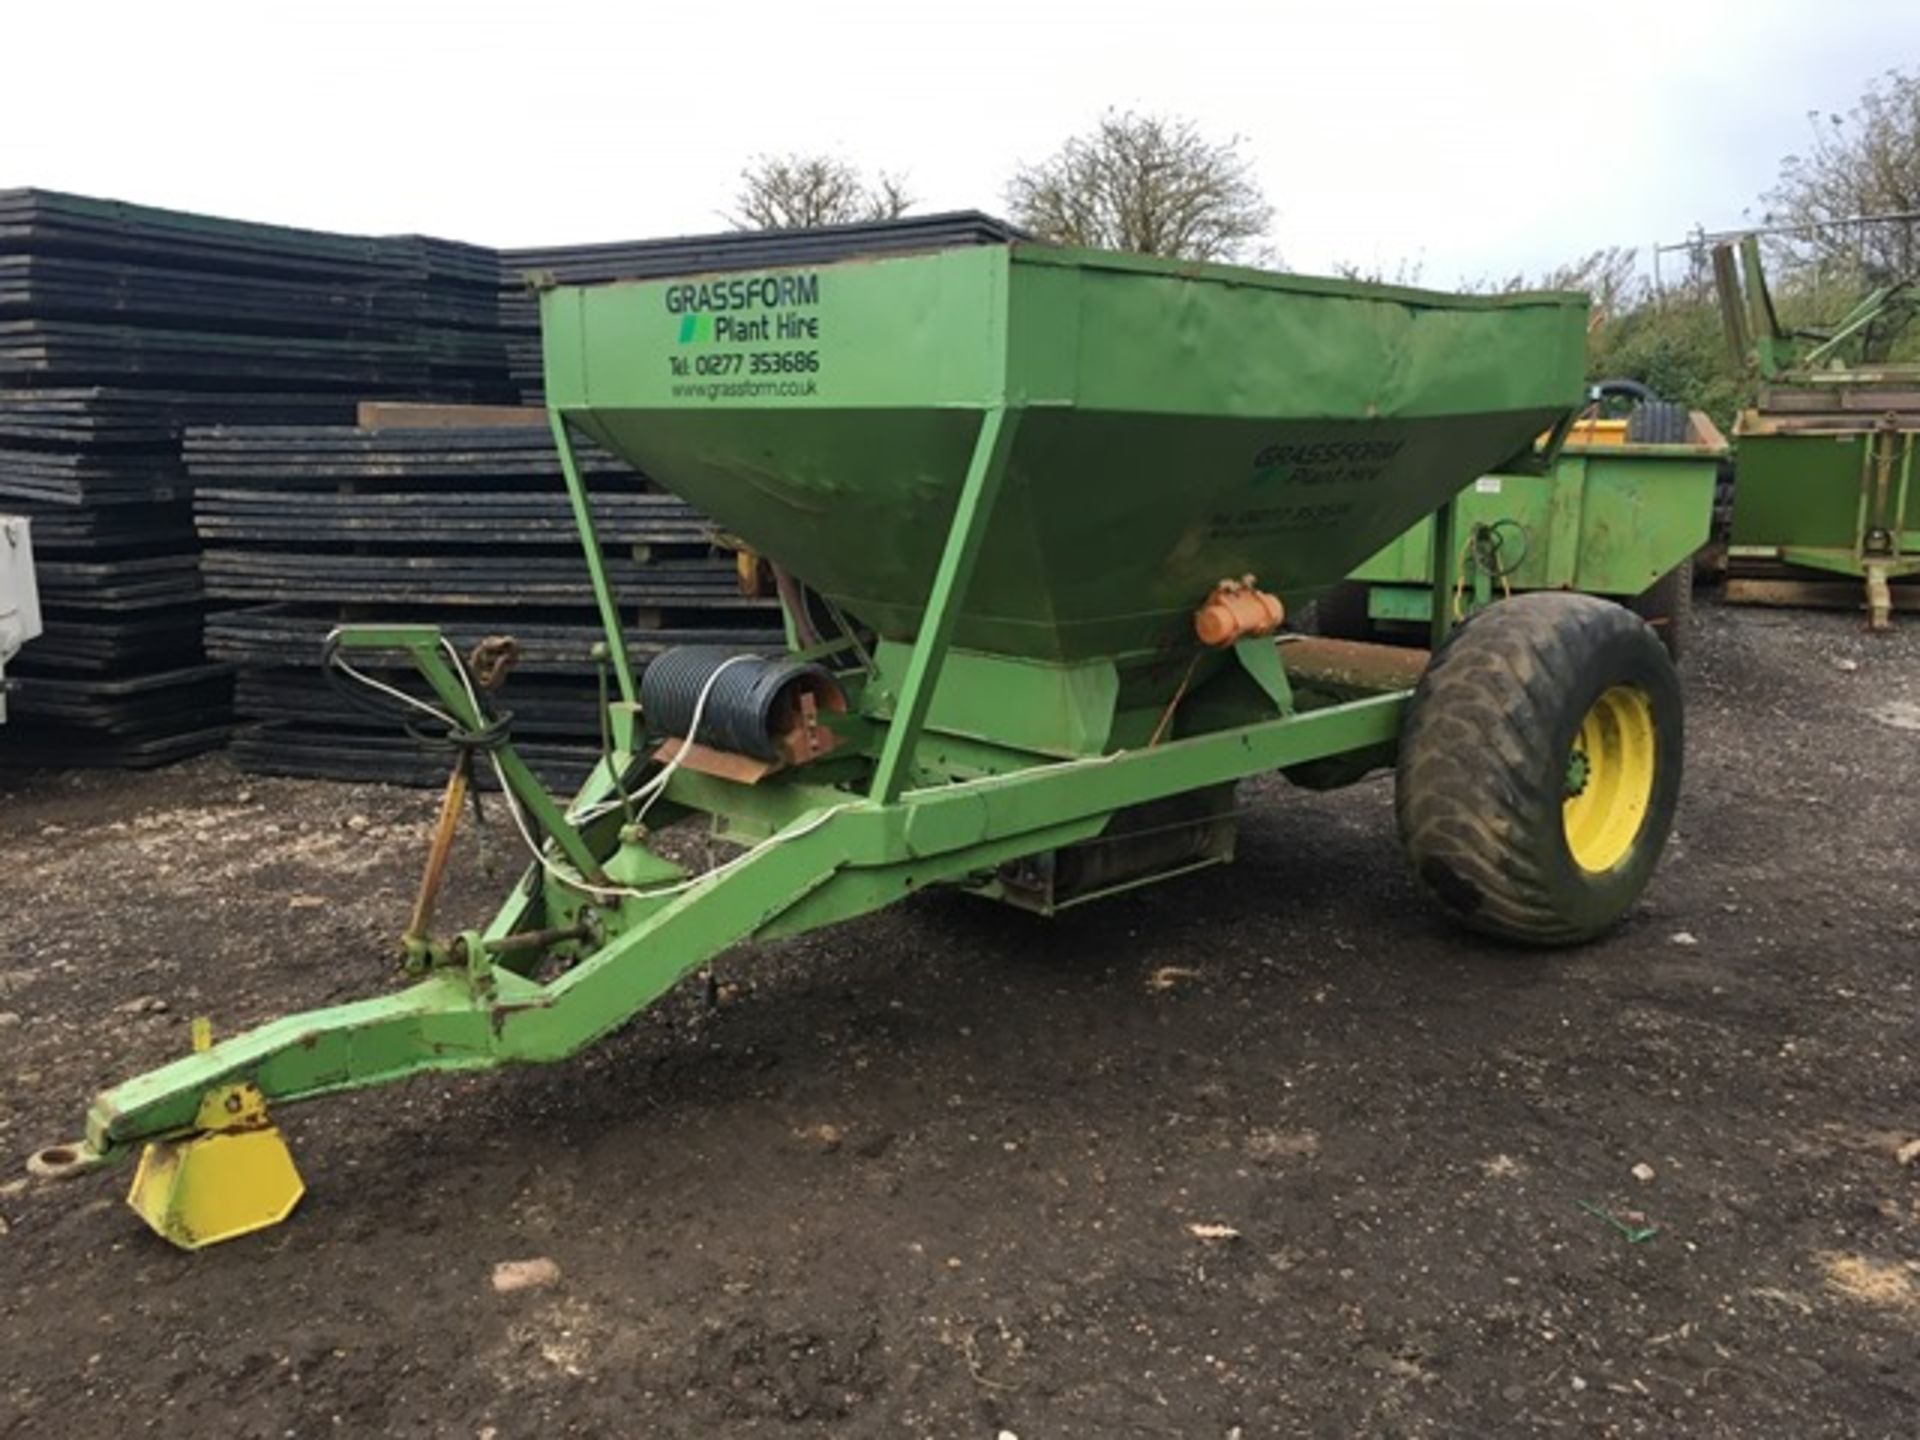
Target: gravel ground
[(939, 1172)]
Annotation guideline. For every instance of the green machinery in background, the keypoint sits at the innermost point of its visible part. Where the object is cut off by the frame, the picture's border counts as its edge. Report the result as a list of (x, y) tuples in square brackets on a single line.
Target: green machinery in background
[(1052, 505), (1827, 501), (1619, 513)]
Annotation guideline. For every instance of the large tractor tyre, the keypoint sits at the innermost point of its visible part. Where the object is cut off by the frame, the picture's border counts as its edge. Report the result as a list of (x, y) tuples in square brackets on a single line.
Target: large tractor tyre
[(1658, 422), (1540, 766), (1667, 605)]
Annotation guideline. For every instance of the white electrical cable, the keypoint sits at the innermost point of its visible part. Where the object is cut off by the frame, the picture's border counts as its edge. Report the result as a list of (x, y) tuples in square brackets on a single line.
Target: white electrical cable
[(534, 848), (652, 789), (594, 812), (395, 692), (657, 786)]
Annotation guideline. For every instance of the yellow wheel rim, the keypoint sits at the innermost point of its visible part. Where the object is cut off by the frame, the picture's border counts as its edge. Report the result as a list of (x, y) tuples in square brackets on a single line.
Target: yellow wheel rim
[(1610, 778)]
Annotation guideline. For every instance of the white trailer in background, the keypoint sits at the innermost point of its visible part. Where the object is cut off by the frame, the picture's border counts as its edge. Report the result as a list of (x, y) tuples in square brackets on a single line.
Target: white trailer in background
[(19, 596)]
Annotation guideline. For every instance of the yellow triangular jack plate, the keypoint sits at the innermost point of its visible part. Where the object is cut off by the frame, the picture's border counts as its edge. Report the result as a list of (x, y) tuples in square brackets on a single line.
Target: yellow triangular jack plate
[(220, 1183)]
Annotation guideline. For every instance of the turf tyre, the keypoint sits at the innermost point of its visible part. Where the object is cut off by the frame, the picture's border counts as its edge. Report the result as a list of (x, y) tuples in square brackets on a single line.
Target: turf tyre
[(1667, 605), (1482, 777), (1658, 422)]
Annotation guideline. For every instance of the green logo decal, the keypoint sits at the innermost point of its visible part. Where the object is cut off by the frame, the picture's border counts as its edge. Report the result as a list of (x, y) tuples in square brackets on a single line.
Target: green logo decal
[(695, 327)]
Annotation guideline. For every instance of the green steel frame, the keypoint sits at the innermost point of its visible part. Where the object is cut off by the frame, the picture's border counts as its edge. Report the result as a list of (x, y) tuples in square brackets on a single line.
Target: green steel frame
[(830, 847), (1826, 458), (1836, 358), (1603, 519)]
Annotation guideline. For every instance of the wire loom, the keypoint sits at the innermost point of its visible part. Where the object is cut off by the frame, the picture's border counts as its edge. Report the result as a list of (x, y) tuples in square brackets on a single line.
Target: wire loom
[(376, 701)]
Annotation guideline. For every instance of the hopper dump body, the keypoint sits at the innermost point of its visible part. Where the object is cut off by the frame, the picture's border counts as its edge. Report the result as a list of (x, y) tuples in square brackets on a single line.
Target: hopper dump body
[(1171, 424), (1024, 468)]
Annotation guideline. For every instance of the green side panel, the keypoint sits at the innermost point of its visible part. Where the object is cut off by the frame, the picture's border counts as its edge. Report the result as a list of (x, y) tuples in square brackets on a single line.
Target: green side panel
[(1608, 520), (1804, 490), (1070, 572), (1047, 708), (925, 333), (1404, 604), (856, 502), (1182, 424), (1157, 338)]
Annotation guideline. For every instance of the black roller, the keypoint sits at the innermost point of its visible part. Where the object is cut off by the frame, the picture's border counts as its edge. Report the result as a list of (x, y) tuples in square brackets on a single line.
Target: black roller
[(742, 711)]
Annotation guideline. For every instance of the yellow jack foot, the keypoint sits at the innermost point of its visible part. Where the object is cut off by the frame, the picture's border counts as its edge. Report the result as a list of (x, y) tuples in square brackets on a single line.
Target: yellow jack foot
[(233, 1176)]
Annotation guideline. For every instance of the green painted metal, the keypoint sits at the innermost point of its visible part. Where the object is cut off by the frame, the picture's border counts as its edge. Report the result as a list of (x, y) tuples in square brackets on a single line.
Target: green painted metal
[(1838, 357), (840, 856), (1828, 495), (1061, 710), (965, 536), (1024, 469), (1826, 458), (1181, 423), (1606, 519), (1814, 497), (603, 597)]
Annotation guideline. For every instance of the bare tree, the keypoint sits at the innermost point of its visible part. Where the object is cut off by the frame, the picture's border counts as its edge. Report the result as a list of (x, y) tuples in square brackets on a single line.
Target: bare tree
[(790, 192), (1866, 162), (1150, 184), (1405, 272), (1611, 276)]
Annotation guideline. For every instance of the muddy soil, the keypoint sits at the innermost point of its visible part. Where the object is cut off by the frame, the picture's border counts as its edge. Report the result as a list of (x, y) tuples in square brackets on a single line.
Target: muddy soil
[(939, 1172)]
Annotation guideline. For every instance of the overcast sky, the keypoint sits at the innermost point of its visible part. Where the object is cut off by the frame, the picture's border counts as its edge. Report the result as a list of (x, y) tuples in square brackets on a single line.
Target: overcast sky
[(1472, 138)]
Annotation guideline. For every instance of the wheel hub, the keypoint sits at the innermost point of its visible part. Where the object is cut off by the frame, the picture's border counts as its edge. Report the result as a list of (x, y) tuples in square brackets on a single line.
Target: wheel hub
[(1609, 779), (1577, 768)]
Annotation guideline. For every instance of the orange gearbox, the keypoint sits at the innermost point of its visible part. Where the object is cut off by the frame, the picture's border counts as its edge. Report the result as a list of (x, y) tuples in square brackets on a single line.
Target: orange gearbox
[(1237, 611)]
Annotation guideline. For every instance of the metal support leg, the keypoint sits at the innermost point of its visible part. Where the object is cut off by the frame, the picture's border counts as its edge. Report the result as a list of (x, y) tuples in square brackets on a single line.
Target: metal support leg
[(969, 528), (596, 568), (1442, 569), (1879, 597)]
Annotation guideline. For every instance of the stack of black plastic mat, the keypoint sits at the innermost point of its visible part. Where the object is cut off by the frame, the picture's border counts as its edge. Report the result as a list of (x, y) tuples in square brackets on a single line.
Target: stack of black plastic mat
[(120, 676), (120, 326), (469, 529)]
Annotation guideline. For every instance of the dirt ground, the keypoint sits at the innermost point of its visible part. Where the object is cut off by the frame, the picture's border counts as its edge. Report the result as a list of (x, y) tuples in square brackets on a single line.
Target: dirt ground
[(937, 1173)]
